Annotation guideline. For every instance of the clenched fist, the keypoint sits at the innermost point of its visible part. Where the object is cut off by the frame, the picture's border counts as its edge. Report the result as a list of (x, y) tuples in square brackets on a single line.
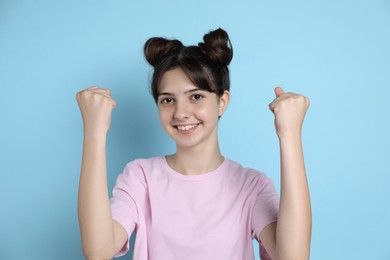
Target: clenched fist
[(289, 110), (96, 105)]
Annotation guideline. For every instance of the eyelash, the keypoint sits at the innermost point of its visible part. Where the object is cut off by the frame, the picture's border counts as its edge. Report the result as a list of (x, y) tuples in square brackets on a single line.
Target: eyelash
[(200, 96), (165, 100), (194, 97)]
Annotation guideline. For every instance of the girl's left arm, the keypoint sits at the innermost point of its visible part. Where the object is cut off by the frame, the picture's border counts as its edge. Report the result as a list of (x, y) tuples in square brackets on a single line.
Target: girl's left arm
[(290, 237)]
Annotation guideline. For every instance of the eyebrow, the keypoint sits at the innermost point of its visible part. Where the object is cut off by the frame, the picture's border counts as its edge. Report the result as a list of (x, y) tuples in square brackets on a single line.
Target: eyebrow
[(188, 91)]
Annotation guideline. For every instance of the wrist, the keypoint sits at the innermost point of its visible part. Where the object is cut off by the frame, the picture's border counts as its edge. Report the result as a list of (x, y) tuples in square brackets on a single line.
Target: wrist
[(290, 140), (95, 135), (95, 132), (290, 137)]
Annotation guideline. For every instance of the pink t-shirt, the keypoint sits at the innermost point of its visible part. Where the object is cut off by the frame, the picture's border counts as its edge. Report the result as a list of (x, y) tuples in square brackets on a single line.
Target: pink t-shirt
[(210, 216)]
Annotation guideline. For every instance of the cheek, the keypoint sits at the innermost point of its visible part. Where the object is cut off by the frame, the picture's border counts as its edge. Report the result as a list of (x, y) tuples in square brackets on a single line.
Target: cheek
[(162, 115), (210, 112), (165, 115)]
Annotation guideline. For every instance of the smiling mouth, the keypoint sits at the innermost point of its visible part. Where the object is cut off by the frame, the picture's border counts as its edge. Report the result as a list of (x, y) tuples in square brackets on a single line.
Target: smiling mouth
[(186, 127)]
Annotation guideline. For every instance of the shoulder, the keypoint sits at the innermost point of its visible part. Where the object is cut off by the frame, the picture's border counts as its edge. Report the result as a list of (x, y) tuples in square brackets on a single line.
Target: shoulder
[(245, 172), (143, 163), (250, 178), (139, 168)]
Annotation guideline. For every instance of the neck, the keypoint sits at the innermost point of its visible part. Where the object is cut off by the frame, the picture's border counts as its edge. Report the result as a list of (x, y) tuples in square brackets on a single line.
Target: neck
[(194, 161)]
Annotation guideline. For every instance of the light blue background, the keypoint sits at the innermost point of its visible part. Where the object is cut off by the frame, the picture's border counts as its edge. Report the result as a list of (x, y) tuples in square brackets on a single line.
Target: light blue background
[(335, 52)]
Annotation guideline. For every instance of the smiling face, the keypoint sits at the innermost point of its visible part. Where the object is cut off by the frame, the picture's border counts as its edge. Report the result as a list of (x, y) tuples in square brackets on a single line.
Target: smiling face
[(188, 114)]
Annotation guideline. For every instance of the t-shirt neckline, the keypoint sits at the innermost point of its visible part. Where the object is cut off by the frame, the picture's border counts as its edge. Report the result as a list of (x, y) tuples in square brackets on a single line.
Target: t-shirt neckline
[(203, 176)]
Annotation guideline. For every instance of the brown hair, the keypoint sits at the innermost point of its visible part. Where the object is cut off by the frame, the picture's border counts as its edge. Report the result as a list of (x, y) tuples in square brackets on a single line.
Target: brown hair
[(206, 65)]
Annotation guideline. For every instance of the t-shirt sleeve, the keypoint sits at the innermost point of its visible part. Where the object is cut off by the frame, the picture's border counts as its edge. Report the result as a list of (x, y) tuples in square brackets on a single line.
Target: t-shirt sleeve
[(266, 206), (128, 197)]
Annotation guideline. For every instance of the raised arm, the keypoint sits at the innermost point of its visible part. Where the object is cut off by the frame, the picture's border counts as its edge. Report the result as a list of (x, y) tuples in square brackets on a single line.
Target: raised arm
[(101, 236), (290, 237)]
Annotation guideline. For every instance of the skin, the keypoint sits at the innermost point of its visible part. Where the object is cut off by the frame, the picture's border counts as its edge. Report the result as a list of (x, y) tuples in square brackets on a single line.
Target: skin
[(182, 104), (101, 236), (290, 237)]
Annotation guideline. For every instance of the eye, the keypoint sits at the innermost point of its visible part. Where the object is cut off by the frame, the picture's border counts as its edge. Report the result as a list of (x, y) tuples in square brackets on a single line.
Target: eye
[(166, 100), (197, 97)]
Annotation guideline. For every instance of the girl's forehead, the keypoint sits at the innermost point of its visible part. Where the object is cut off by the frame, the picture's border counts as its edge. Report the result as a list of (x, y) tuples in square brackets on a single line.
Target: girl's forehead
[(175, 80), (176, 74), (178, 89)]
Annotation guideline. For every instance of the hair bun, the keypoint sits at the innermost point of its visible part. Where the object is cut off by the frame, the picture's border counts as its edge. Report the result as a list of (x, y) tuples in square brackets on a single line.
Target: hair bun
[(217, 46), (156, 48)]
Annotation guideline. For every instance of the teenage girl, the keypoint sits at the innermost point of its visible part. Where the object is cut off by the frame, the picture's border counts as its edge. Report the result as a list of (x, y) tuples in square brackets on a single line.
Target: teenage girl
[(195, 203)]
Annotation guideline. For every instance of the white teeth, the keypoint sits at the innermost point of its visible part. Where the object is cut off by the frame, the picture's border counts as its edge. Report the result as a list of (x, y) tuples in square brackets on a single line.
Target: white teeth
[(185, 127)]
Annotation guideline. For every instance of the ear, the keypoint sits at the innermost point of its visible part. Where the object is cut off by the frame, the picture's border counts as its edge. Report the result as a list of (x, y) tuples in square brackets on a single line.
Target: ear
[(223, 102)]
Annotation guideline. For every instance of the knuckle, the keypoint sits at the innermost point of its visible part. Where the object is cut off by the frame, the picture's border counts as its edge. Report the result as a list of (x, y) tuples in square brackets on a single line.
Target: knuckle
[(84, 94)]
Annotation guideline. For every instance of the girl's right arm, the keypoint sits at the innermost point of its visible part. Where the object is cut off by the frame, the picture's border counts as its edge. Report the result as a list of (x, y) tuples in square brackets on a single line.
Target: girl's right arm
[(101, 237)]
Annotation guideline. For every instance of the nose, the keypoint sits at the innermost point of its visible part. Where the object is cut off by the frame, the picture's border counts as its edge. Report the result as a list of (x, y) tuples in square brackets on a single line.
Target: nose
[(181, 110)]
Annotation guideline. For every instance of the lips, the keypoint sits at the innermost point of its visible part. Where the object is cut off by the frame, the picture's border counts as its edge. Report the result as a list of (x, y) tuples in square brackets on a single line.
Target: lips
[(186, 128)]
